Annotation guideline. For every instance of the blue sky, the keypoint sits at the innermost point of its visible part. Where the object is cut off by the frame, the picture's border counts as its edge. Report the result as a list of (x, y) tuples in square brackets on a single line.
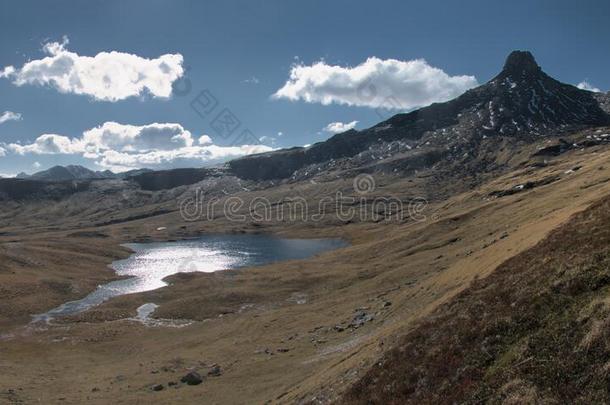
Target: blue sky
[(241, 53)]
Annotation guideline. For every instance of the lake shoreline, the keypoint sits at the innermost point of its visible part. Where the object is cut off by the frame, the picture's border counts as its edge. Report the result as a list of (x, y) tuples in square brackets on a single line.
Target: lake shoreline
[(127, 282)]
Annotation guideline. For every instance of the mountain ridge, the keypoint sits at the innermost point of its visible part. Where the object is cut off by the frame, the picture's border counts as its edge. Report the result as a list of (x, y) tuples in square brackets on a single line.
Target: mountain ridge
[(520, 102), (77, 172)]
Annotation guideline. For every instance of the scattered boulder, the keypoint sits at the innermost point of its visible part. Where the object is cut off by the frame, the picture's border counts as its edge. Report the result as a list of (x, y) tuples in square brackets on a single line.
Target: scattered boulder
[(158, 387), (192, 378), (525, 186), (215, 371), (555, 150), (360, 319)]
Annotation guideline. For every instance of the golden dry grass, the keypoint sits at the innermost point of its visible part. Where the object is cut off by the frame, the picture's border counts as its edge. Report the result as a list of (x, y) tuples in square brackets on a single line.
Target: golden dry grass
[(101, 357)]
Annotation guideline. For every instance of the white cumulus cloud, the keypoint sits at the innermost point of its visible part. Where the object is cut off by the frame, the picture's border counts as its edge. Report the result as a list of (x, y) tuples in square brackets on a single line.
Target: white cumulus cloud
[(133, 138), (122, 147), (205, 140), (9, 116), (47, 144), (585, 85), (338, 127), (107, 76), (385, 83), (182, 157)]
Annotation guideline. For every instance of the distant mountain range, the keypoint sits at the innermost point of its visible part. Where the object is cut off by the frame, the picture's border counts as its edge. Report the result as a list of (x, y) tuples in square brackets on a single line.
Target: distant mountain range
[(76, 172), (522, 104)]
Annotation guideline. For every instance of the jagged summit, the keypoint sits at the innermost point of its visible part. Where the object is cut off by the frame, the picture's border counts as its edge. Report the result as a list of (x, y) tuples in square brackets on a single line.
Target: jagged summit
[(521, 62), (523, 99)]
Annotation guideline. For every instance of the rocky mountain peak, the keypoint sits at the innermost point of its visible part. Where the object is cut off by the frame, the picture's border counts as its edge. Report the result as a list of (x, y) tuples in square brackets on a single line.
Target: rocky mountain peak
[(523, 100), (521, 63), (63, 173)]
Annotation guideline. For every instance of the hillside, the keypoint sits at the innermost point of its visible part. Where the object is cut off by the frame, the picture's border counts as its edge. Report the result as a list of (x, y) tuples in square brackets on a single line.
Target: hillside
[(533, 331)]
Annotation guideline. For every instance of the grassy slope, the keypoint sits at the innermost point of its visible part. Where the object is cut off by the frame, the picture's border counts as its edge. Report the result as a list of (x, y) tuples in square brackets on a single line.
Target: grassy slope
[(535, 330), (103, 357)]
